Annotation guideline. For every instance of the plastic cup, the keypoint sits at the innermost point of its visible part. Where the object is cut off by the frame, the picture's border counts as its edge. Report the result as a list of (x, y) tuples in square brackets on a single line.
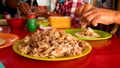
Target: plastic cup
[(16, 23), (31, 24)]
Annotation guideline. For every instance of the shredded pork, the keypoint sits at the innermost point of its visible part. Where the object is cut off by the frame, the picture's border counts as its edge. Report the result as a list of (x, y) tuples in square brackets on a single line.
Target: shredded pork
[(51, 43), (87, 32)]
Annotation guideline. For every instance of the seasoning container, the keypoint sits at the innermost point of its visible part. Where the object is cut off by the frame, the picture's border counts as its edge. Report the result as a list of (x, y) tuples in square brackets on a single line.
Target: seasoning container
[(31, 23), (1, 16), (60, 21)]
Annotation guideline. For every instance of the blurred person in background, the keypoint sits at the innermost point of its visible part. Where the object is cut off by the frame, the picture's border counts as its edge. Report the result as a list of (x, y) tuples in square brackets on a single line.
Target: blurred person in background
[(63, 8), (2, 7), (9, 6), (32, 6), (67, 8)]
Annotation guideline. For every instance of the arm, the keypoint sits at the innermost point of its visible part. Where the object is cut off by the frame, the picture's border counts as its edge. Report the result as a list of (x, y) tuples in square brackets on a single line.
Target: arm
[(99, 15), (53, 14), (117, 18), (38, 11)]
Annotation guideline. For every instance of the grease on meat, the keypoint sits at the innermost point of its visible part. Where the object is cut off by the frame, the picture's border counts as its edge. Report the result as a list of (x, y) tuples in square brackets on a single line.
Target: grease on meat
[(51, 43)]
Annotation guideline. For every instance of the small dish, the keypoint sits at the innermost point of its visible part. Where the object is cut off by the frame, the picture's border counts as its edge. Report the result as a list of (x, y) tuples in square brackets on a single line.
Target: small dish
[(16, 23), (3, 22), (9, 38), (103, 34)]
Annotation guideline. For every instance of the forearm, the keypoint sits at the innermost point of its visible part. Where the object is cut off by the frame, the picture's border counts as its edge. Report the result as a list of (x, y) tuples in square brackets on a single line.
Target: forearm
[(117, 17), (3, 2), (53, 14), (43, 10)]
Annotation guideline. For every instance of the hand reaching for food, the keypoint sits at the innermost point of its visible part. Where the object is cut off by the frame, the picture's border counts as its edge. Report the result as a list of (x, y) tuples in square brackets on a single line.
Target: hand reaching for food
[(79, 11), (38, 11), (96, 15), (24, 8), (85, 24)]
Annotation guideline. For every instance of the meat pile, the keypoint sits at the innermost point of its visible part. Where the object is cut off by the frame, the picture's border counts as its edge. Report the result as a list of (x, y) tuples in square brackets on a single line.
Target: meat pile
[(51, 43)]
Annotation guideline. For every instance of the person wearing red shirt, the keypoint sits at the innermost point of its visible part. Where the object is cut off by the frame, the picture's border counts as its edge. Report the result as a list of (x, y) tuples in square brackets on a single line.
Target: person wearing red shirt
[(67, 8), (63, 8)]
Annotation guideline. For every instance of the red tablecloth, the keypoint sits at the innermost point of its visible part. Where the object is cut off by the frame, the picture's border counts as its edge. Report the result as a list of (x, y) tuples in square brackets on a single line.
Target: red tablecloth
[(105, 54)]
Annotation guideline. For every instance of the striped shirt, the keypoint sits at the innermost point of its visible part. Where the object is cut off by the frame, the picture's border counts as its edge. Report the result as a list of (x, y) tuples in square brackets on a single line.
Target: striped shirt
[(67, 8)]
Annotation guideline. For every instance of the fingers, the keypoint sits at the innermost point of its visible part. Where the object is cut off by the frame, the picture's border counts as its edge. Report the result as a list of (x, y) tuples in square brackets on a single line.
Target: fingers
[(82, 9), (99, 19), (96, 15), (90, 16), (24, 8), (26, 5), (90, 11), (85, 8), (77, 12), (93, 18), (95, 21)]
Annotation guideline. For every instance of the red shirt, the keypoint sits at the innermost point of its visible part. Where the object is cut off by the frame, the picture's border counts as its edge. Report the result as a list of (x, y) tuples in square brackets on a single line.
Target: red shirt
[(67, 8)]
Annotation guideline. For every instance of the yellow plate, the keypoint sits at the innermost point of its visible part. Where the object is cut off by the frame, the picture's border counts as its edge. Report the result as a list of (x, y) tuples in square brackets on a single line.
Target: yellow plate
[(85, 52)]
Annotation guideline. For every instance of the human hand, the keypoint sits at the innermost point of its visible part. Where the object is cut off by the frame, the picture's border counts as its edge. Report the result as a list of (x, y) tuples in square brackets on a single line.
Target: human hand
[(10, 3), (40, 11), (37, 11), (83, 8), (24, 8), (97, 15), (79, 11)]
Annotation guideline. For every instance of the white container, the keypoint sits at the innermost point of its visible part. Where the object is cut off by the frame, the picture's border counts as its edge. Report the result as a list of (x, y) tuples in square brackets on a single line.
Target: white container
[(43, 2), (52, 5)]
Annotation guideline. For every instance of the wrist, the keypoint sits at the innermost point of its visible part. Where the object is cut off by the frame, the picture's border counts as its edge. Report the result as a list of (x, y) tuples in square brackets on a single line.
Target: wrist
[(117, 17)]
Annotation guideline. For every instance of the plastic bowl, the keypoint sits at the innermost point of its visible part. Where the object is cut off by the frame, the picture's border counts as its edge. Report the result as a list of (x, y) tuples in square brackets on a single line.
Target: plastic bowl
[(16, 23)]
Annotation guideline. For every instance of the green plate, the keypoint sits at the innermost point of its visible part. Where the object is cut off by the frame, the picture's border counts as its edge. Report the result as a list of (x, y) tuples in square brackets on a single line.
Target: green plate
[(103, 34), (85, 52), (1, 65)]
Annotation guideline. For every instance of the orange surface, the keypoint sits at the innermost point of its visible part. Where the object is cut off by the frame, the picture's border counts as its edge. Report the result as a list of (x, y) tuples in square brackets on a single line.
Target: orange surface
[(104, 54), (10, 39)]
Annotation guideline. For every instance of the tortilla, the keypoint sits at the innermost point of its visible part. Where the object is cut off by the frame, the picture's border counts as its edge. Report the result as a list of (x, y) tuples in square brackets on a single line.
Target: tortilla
[(80, 34), (2, 41)]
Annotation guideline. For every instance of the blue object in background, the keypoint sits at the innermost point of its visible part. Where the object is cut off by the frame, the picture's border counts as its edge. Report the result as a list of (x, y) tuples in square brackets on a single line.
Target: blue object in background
[(1, 65), (61, 1), (23, 0)]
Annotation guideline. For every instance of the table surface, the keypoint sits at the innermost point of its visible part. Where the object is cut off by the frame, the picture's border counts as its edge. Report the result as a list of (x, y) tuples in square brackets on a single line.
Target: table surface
[(104, 54)]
